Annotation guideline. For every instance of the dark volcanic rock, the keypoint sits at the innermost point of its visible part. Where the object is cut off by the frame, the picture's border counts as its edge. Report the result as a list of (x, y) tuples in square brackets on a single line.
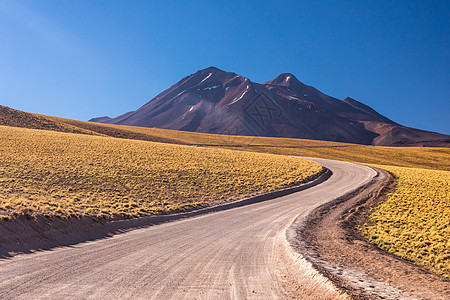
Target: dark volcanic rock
[(215, 101)]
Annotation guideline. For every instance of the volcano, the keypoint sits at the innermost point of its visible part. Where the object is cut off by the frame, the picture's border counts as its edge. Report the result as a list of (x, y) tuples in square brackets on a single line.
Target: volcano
[(219, 102)]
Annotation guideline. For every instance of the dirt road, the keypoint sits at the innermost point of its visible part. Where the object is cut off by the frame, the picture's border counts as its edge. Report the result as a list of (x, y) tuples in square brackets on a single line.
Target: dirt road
[(232, 254)]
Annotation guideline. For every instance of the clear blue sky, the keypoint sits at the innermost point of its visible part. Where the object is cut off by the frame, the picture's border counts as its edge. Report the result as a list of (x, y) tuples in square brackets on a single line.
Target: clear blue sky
[(83, 59)]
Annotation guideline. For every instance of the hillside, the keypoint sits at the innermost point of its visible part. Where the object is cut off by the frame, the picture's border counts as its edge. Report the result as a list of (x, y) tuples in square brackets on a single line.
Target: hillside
[(17, 118)]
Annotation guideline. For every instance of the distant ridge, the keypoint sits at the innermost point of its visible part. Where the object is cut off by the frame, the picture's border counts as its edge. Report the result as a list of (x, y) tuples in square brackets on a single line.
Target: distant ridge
[(100, 119), (219, 102)]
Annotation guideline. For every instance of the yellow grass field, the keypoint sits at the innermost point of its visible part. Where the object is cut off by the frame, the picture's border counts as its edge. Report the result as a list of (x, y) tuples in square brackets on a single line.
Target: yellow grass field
[(65, 174), (414, 222), (431, 158)]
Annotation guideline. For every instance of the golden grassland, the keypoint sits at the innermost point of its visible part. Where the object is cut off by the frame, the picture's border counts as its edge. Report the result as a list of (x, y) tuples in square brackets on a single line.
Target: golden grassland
[(414, 222), (64, 174)]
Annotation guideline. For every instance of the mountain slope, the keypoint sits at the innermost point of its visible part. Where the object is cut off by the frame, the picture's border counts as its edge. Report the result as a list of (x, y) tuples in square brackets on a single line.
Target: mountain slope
[(219, 102)]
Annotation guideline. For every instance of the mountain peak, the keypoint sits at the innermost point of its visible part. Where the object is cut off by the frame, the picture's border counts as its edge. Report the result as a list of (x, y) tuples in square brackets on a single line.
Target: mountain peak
[(213, 70), (285, 79), (287, 76), (212, 74)]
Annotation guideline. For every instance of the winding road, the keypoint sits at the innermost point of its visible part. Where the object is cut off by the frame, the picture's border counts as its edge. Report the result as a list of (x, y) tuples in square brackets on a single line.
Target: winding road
[(231, 254)]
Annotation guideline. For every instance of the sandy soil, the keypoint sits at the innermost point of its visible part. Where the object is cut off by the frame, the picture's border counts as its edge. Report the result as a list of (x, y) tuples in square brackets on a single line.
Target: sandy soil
[(329, 241)]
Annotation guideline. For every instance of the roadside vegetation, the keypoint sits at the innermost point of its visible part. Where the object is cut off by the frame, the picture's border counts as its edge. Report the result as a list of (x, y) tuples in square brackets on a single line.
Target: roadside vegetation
[(64, 174), (414, 222)]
